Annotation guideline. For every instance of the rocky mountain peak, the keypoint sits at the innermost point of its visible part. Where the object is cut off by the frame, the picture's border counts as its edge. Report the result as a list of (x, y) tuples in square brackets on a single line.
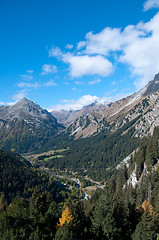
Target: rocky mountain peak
[(24, 99), (156, 78), (27, 122), (26, 108), (152, 86), (23, 102)]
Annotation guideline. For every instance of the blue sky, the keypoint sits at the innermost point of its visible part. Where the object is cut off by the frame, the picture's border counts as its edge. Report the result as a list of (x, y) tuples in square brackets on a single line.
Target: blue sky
[(67, 54)]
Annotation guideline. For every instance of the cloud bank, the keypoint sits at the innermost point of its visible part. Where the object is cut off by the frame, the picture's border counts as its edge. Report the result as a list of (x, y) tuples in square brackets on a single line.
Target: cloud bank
[(136, 46)]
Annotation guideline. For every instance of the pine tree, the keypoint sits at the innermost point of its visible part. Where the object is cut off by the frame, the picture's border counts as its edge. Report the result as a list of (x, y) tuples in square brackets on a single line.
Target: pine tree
[(3, 202), (146, 229)]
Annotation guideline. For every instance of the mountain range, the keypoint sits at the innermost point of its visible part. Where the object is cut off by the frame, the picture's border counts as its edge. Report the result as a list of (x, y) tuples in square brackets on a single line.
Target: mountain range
[(95, 118), (26, 127)]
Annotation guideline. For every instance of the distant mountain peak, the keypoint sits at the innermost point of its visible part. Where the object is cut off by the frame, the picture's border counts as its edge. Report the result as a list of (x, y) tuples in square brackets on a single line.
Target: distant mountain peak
[(24, 104), (24, 99), (29, 123)]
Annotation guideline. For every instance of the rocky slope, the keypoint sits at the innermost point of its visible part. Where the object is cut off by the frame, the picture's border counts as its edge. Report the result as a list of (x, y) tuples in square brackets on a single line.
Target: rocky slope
[(25, 126), (140, 169), (143, 104)]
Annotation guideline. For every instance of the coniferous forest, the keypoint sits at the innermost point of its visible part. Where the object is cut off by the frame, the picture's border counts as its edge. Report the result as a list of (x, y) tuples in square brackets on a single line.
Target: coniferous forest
[(35, 206)]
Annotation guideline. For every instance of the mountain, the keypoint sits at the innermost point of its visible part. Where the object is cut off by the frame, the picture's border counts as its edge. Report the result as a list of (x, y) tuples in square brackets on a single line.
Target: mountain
[(105, 137), (128, 207), (140, 171), (143, 103), (66, 117), (25, 126)]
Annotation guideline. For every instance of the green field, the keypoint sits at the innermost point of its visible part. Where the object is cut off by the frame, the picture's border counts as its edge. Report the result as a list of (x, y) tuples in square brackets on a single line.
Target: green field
[(52, 157), (49, 155)]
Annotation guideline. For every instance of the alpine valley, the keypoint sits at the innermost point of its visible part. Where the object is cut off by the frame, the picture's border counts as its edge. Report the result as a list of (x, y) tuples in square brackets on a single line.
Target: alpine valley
[(86, 174)]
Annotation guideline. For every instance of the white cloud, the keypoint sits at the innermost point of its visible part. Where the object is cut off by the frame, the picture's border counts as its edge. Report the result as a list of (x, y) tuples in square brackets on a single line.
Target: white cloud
[(48, 68), (110, 40), (28, 85), (142, 53), (84, 64), (87, 65), (55, 52), (94, 81), (30, 71), (26, 77), (36, 85), (78, 104), (69, 46), (81, 44), (149, 4), (50, 83), (102, 43), (1, 103)]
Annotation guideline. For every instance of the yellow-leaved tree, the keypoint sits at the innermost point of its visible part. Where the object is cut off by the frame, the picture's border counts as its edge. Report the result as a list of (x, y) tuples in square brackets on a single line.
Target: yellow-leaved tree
[(147, 206), (66, 217)]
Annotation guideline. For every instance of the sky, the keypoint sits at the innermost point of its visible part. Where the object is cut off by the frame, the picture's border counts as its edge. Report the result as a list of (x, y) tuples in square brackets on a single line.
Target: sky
[(65, 54)]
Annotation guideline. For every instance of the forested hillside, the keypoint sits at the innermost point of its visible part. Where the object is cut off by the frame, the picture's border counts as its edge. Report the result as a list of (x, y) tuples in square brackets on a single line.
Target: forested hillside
[(97, 156), (128, 208), (17, 177), (124, 209)]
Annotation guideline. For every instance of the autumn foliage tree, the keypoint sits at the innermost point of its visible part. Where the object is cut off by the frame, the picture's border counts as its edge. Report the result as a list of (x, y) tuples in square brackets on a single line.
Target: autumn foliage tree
[(147, 206), (148, 227), (66, 217)]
